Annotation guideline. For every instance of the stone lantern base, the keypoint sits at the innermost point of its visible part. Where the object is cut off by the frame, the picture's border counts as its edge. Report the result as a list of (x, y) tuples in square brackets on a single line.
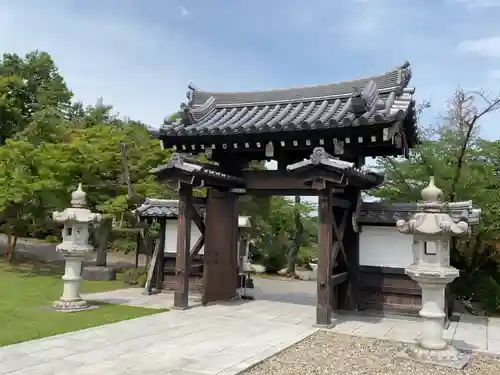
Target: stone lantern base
[(448, 357), (71, 305)]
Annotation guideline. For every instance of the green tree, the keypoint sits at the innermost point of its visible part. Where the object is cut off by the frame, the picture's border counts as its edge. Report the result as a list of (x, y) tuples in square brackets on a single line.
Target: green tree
[(31, 88), (466, 167), (24, 191)]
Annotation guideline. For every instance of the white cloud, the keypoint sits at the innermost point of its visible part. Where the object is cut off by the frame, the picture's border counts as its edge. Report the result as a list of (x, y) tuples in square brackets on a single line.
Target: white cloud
[(183, 10), (486, 47), (494, 74), (142, 69), (479, 4)]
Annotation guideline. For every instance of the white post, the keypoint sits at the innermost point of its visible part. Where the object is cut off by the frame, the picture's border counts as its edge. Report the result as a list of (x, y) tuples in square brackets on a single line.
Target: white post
[(71, 278)]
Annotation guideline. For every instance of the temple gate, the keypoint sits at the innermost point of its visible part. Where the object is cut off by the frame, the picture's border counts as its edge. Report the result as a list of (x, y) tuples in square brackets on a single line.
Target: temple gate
[(319, 136)]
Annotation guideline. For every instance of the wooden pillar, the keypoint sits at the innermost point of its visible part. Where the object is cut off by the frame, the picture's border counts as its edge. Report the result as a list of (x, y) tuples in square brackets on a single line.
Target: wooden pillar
[(349, 291), (324, 285), (160, 270), (221, 247), (183, 258)]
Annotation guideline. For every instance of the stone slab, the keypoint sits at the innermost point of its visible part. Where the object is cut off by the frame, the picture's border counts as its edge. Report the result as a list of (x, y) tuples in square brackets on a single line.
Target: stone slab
[(459, 364), (89, 307), (99, 273), (224, 338)]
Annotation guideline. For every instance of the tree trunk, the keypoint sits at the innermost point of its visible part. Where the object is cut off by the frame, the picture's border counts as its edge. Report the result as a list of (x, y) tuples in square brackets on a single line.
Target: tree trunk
[(105, 229), (10, 252), (297, 241)]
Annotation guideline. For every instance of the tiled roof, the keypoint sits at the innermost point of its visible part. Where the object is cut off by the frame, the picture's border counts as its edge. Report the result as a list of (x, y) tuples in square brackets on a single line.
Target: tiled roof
[(378, 99), (351, 174), (388, 214), (167, 208), (192, 167)]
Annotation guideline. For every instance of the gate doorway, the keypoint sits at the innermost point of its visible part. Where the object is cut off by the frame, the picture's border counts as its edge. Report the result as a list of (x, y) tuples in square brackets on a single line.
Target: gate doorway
[(319, 136)]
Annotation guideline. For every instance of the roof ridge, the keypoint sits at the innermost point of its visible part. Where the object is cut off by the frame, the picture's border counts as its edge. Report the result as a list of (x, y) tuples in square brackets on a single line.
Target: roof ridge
[(405, 66)]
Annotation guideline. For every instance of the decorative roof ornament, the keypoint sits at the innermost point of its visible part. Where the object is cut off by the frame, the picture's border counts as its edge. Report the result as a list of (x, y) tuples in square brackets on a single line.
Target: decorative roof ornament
[(431, 196), (79, 197), (78, 212)]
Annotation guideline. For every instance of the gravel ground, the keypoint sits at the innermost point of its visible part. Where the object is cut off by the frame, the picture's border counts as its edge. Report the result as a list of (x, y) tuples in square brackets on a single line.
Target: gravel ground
[(329, 353)]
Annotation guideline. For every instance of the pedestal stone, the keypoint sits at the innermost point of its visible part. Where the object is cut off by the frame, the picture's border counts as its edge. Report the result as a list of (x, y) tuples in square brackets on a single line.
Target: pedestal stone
[(99, 273)]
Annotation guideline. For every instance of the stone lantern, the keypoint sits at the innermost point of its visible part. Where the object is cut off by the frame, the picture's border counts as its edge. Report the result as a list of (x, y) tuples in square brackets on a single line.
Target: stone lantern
[(432, 230), (75, 247)]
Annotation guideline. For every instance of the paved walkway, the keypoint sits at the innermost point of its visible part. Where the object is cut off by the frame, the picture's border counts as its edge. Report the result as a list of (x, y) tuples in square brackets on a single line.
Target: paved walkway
[(220, 339), (470, 333)]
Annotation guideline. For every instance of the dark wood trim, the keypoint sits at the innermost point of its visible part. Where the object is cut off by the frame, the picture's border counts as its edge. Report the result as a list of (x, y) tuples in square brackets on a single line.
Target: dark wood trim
[(382, 270), (370, 224), (388, 289), (278, 183), (183, 260), (197, 219), (161, 261), (197, 246), (324, 286), (220, 255), (339, 278), (350, 292)]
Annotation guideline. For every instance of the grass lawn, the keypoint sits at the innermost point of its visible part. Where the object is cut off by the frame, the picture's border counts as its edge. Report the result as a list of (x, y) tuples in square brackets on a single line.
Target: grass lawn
[(26, 289)]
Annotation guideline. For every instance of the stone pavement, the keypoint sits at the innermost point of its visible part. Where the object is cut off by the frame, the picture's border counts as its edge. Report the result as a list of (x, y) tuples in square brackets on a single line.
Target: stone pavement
[(219, 339), (136, 297)]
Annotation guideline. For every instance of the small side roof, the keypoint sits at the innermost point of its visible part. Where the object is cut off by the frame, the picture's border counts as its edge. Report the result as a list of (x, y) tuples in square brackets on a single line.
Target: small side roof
[(381, 213)]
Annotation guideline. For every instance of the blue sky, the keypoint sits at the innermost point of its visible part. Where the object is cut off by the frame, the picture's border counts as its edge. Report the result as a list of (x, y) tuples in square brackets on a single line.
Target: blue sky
[(141, 55)]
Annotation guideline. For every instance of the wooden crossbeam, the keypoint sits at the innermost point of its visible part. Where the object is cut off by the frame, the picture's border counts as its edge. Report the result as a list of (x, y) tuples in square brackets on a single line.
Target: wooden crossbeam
[(197, 246), (339, 278), (338, 243), (196, 217)]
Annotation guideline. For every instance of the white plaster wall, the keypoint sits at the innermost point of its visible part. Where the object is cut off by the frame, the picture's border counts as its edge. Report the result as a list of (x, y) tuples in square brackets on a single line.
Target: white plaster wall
[(384, 247), (171, 236)]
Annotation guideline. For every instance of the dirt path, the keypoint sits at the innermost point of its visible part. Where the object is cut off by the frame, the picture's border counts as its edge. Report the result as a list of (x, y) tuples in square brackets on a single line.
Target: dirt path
[(43, 251)]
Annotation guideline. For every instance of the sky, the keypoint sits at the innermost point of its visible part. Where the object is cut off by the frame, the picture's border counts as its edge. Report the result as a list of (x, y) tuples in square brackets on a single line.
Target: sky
[(140, 56)]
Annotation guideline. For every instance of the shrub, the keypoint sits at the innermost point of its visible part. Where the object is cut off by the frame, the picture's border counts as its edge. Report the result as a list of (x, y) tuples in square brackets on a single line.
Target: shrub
[(53, 239), (135, 277), (306, 254)]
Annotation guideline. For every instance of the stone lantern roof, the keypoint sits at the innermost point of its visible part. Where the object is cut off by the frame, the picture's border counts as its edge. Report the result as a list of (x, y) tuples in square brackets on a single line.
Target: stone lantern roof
[(78, 212), (433, 220)]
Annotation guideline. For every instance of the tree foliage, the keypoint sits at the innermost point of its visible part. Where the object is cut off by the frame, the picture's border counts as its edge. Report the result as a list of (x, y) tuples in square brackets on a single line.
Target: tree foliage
[(50, 144), (466, 167)]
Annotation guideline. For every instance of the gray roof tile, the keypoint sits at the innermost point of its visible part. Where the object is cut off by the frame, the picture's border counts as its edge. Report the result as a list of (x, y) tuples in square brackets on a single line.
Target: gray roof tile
[(377, 99), (191, 167), (164, 208), (351, 174), (388, 213)]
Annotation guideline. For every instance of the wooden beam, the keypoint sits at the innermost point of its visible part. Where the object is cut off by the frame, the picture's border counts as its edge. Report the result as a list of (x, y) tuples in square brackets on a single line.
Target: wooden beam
[(197, 219), (273, 180), (161, 261), (152, 271), (339, 278), (349, 292), (268, 183), (197, 246), (183, 260), (324, 285)]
